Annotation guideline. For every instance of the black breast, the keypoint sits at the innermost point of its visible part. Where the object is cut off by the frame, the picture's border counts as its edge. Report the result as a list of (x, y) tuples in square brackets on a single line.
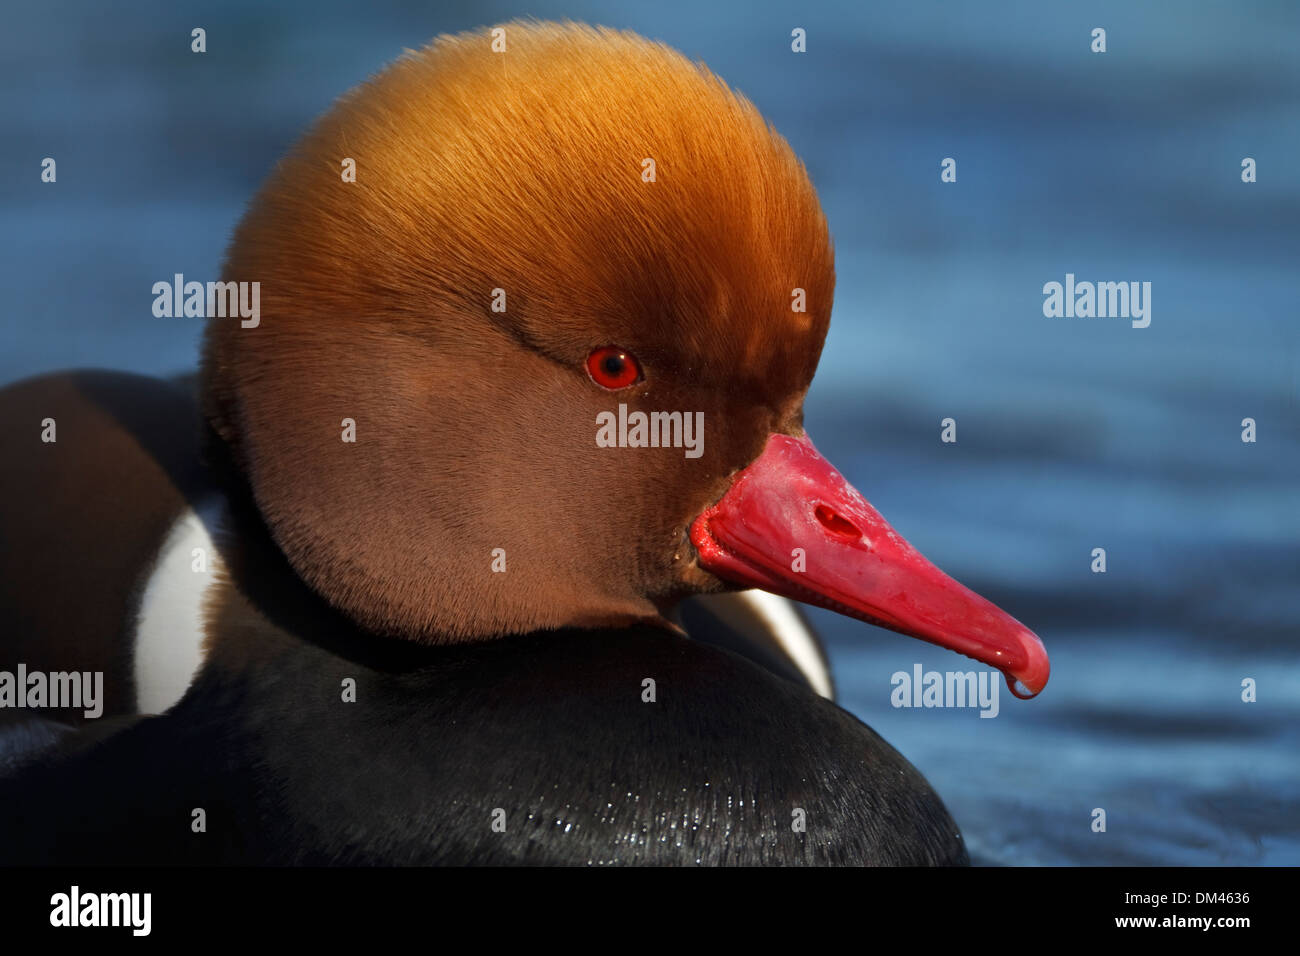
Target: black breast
[(538, 749)]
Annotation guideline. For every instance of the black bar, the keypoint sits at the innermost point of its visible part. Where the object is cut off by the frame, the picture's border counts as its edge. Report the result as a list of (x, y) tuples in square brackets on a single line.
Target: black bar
[(1019, 906)]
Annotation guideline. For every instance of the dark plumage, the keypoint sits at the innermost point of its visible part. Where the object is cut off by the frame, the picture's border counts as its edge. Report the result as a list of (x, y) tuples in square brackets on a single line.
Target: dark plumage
[(550, 727)]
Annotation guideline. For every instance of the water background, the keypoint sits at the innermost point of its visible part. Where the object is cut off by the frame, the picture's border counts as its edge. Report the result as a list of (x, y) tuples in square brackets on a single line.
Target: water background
[(1072, 434)]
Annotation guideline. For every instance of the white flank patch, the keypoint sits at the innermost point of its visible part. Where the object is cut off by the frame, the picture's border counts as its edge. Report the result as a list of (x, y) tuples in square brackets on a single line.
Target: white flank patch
[(793, 636), (169, 629)]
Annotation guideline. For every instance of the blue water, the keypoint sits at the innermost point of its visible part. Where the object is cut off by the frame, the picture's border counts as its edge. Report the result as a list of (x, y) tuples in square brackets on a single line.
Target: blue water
[(1072, 434)]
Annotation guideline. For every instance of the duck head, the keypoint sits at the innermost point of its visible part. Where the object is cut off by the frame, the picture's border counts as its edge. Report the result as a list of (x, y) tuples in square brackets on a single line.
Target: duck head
[(550, 228)]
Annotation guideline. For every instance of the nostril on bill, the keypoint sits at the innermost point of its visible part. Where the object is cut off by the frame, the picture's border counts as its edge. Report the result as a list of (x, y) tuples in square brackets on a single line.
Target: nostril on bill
[(836, 523)]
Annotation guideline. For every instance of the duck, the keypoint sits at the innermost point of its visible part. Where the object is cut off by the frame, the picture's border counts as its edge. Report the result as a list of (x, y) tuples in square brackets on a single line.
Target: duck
[(370, 588)]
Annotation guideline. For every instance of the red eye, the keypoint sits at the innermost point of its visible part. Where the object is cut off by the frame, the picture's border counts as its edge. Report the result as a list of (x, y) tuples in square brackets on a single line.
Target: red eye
[(612, 367)]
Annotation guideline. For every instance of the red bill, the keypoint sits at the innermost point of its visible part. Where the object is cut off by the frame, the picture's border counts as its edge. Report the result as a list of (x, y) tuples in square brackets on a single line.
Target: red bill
[(792, 525)]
